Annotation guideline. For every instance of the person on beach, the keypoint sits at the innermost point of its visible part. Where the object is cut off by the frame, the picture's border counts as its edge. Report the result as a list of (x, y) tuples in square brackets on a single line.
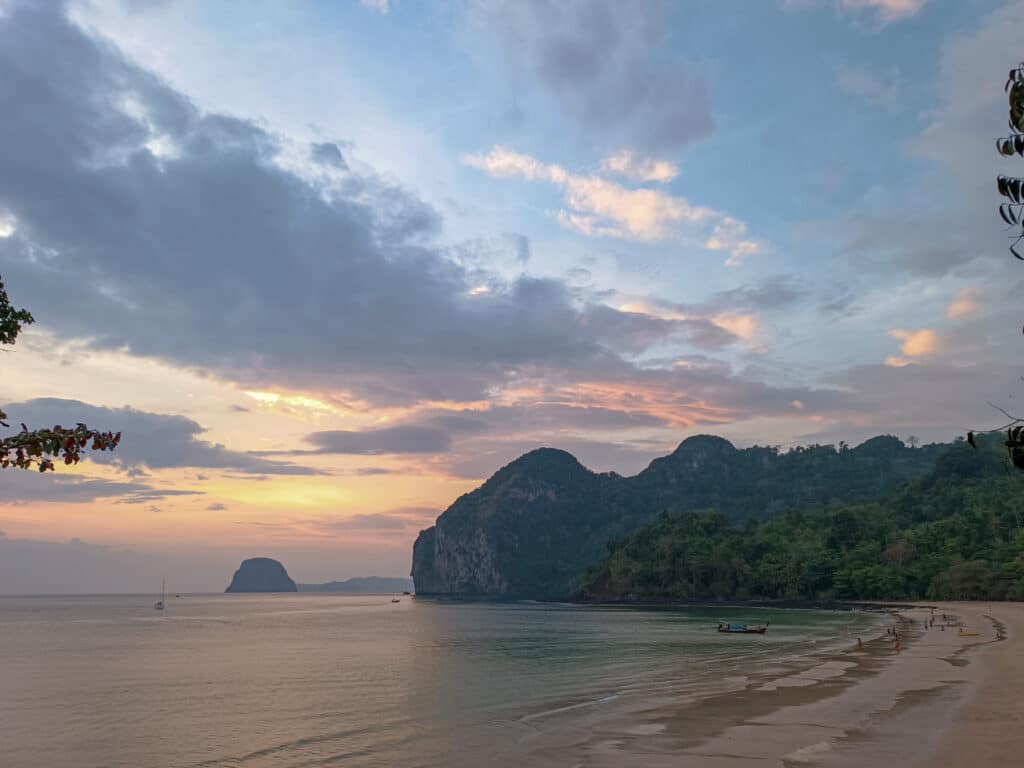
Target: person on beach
[(859, 644)]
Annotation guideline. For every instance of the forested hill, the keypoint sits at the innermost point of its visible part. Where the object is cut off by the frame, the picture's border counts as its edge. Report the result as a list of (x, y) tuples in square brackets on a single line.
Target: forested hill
[(954, 534), (537, 524)]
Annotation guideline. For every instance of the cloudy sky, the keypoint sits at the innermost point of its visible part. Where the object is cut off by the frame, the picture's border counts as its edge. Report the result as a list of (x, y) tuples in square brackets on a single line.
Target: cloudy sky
[(329, 265)]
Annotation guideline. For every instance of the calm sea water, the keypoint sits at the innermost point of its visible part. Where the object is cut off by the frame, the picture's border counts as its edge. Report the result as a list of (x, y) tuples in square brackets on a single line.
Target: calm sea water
[(316, 680)]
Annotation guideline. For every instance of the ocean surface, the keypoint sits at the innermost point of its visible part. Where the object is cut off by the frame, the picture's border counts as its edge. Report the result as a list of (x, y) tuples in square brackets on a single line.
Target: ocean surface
[(318, 680)]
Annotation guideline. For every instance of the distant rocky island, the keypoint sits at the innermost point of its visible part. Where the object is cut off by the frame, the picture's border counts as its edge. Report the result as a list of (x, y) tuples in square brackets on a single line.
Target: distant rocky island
[(261, 574), (539, 524), (362, 585)]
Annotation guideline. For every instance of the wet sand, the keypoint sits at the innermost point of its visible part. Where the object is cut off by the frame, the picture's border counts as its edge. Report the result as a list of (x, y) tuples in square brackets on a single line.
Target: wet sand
[(943, 696), (988, 727)]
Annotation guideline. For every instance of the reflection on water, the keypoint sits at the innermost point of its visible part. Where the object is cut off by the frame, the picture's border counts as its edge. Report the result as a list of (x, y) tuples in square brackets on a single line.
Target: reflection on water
[(306, 680)]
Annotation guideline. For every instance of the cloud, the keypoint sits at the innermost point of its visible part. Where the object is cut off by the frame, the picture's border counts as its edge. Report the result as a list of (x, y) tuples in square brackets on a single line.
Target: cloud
[(915, 344), (933, 400), (965, 304), (436, 430), (181, 235), (329, 154), (597, 207), (397, 519), (884, 92), (773, 293), (381, 6), (743, 326), (638, 167), (611, 418), (250, 272), (885, 11), (150, 440), (393, 520), (731, 235), (606, 65), (403, 439), (33, 487)]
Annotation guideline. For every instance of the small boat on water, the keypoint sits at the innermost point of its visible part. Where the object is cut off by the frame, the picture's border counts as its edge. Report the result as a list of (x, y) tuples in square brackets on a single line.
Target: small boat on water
[(742, 629), (159, 604)]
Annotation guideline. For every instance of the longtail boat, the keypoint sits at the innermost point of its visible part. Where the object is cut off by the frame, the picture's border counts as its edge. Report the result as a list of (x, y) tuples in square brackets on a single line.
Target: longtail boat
[(741, 629)]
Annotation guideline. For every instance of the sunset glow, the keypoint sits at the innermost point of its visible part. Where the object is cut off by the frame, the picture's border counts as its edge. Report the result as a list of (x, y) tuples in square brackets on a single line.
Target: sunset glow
[(320, 314)]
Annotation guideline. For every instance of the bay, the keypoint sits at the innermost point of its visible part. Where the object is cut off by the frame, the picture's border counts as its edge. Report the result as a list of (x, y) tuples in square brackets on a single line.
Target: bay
[(253, 681)]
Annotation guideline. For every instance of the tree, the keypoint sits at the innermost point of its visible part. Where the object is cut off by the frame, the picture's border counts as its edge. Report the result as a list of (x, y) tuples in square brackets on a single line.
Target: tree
[(41, 447), (1010, 187), (1012, 212)]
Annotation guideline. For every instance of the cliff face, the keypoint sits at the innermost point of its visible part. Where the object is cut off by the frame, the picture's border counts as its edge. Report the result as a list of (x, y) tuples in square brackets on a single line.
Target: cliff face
[(537, 524), (261, 574), (520, 534)]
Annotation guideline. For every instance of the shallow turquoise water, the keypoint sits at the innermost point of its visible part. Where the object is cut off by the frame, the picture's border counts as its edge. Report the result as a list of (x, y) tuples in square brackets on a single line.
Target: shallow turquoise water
[(306, 680)]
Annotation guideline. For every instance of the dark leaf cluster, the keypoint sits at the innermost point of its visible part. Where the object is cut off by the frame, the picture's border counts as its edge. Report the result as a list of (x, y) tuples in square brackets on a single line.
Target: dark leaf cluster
[(11, 320), (42, 448), (1011, 187)]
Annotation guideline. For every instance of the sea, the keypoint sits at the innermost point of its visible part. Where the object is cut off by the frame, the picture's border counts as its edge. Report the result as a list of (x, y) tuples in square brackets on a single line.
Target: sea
[(302, 680)]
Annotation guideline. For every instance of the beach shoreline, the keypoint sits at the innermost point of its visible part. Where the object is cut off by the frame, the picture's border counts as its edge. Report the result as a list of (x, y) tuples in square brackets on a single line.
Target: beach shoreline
[(934, 695), (987, 726)]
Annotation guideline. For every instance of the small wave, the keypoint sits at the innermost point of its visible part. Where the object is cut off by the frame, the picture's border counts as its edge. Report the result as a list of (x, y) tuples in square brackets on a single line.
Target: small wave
[(569, 708)]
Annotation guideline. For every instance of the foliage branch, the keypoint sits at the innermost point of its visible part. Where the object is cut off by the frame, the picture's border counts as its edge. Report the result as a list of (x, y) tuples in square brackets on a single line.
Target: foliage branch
[(42, 448)]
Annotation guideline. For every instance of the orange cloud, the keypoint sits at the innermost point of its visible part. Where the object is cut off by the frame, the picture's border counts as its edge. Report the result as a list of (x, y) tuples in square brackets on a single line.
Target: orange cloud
[(965, 304), (603, 208), (744, 326), (639, 167), (739, 324), (915, 344)]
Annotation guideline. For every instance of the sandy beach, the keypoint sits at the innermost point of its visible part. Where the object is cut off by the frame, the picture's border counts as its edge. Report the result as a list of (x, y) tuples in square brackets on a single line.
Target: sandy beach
[(945, 696), (988, 725)]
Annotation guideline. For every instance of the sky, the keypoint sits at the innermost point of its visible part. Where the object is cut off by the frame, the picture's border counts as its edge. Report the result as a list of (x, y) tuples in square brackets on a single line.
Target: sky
[(329, 265)]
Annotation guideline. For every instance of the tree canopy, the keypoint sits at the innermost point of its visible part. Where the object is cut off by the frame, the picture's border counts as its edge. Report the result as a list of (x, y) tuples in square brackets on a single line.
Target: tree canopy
[(954, 534)]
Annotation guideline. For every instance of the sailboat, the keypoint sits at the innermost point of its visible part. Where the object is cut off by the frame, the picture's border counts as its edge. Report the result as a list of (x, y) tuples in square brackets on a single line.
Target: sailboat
[(159, 604)]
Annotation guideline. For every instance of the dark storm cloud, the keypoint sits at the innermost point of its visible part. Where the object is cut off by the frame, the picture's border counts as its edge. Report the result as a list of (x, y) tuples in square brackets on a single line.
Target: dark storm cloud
[(150, 440), (211, 255), (604, 62)]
